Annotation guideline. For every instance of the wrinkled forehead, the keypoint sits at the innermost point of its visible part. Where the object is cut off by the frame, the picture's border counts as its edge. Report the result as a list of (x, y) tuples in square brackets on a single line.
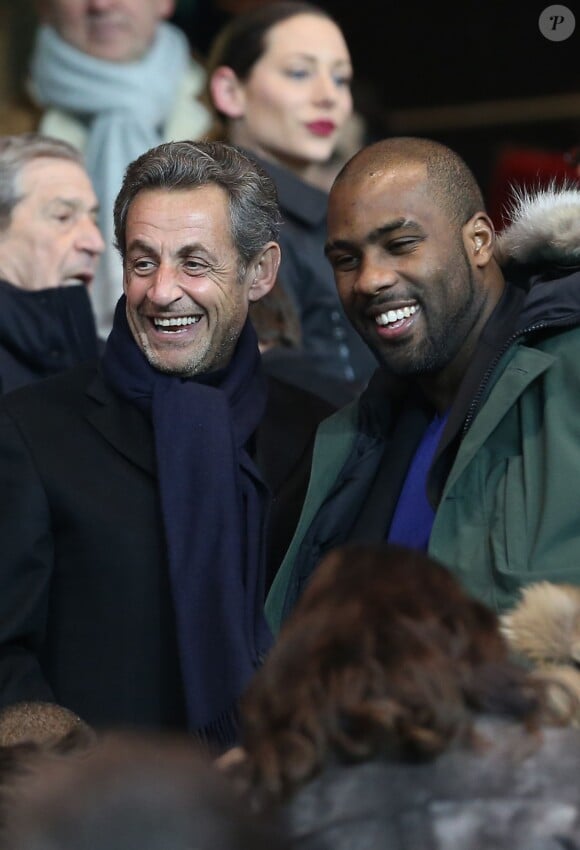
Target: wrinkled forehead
[(389, 179), (53, 174), (367, 197)]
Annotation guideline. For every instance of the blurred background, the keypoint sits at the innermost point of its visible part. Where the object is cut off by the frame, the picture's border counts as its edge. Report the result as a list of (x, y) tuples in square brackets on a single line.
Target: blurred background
[(477, 75)]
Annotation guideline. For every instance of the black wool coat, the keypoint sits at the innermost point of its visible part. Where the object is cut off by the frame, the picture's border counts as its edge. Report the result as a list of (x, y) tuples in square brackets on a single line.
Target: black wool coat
[(86, 617), (43, 332)]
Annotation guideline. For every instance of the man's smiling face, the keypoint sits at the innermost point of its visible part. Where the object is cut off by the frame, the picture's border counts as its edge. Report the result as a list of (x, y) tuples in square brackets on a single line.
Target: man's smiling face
[(402, 271), (187, 300)]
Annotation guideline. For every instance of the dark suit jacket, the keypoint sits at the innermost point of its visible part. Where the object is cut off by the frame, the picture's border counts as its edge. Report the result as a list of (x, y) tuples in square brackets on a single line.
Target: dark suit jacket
[(86, 618)]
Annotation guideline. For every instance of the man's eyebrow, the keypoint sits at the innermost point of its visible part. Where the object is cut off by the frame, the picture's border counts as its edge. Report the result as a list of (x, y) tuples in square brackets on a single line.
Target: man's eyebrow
[(337, 244), (72, 204), (69, 202), (375, 235), (141, 246), (389, 227), (194, 248)]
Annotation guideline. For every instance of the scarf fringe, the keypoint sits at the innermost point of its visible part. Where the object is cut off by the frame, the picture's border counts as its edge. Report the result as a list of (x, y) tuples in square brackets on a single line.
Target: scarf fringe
[(222, 733)]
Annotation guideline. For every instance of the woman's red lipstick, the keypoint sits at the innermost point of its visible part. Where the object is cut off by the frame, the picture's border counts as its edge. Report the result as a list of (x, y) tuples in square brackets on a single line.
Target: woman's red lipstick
[(322, 128)]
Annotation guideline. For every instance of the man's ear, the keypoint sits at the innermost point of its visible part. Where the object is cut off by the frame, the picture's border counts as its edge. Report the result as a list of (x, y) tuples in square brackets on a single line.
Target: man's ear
[(264, 271), (227, 92), (479, 239)]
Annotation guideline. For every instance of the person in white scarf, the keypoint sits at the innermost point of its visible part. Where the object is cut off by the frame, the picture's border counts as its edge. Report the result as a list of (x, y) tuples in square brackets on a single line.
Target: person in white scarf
[(116, 80)]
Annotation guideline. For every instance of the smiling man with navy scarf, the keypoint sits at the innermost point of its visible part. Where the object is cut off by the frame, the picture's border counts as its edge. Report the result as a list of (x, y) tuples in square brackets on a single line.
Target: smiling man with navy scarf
[(148, 495)]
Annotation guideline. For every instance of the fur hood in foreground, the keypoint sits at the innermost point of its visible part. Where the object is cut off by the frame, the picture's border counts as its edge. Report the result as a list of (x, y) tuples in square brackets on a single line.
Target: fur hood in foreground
[(544, 229), (543, 630)]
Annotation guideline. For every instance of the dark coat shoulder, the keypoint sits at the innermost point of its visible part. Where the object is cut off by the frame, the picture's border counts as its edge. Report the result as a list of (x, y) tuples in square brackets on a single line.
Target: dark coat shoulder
[(284, 444)]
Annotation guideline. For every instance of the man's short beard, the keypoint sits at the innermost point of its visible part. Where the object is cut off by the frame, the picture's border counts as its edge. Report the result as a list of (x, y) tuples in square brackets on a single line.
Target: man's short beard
[(440, 349), (197, 364)]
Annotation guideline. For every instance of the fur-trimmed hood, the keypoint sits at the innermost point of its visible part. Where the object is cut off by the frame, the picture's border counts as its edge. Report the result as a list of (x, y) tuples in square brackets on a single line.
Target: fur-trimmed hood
[(544, 229)]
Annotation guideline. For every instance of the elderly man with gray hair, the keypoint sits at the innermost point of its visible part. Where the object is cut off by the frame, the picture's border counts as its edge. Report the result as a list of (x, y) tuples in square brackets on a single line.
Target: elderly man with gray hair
[(136, 548), (49, 250)]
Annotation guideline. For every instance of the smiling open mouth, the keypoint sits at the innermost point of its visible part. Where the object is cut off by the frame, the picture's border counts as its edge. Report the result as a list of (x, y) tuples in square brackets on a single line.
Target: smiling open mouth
[(395, 317), (170, 325)]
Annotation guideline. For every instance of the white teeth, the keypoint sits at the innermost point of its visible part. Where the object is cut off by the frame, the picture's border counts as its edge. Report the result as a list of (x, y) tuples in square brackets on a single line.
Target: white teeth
[(175, 323), (392, 316)]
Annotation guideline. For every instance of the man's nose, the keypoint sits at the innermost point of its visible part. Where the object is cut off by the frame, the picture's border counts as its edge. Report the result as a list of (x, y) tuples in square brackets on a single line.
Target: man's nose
[(374, 275), (89, 237), (164, 287)]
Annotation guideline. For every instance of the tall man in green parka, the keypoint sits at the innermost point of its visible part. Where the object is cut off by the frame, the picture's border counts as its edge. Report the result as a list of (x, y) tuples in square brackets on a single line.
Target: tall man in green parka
[(466, 442)]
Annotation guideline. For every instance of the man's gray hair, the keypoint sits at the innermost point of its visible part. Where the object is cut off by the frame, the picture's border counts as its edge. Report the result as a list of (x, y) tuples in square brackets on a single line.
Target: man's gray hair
[(16, 152), (253, 202)]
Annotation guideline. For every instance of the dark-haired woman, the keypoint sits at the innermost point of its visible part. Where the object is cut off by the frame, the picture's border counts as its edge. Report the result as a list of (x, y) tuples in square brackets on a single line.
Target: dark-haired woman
[(279, 80)]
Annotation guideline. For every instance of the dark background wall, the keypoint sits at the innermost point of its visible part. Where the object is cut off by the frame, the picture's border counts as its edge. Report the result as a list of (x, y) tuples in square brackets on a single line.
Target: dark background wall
[(476, 75), (420, 53)]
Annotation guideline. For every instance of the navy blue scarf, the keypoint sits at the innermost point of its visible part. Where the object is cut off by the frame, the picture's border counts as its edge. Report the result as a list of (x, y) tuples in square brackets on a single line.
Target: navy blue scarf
[(213, 503)]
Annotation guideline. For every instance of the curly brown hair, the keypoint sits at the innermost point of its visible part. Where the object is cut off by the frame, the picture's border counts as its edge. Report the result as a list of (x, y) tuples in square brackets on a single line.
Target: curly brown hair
[(385, 655)]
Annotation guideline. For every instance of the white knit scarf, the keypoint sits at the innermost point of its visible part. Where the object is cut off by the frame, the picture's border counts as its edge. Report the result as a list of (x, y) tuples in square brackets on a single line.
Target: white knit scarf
[(123, 106)]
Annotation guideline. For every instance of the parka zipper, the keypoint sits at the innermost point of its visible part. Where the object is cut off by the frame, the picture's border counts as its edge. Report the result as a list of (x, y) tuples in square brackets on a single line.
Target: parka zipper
[(570, 321)]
